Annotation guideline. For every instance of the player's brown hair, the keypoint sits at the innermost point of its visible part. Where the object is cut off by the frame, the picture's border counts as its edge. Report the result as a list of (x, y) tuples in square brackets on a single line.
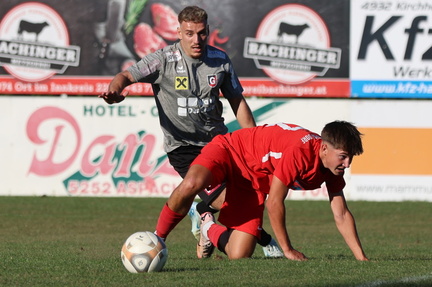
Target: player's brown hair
[(193, 14), (343, 135)]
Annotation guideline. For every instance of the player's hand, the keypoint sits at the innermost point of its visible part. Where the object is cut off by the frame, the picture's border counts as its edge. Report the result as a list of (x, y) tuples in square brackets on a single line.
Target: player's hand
[(113, 97), (295, 255)]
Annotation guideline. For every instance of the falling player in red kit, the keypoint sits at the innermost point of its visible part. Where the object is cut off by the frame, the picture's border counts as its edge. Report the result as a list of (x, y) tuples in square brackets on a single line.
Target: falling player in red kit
[(259, 165)]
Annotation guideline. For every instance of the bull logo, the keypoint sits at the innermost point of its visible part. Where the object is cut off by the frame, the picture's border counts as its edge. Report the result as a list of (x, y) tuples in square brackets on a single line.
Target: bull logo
[(289, 29), (292, 45), (29, 27), (34, 43)]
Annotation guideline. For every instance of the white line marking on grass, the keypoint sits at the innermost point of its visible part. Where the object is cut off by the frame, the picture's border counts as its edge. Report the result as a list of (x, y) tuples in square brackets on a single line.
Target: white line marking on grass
[(402, 280)]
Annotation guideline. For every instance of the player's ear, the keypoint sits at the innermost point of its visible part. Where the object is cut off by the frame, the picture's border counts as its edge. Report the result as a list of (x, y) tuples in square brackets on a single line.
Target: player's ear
[(324, 147), (179, 35)]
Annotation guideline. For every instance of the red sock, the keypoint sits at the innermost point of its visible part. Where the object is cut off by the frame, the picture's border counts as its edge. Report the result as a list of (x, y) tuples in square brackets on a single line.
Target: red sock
[(214, 233), (168, 219)]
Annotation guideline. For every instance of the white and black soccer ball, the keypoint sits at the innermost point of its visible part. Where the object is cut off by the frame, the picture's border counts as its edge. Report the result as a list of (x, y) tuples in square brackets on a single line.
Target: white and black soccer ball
[(144, 252)]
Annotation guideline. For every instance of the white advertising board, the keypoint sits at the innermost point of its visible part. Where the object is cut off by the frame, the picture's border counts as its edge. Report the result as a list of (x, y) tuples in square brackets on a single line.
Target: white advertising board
[(80, 146), (391, 48)]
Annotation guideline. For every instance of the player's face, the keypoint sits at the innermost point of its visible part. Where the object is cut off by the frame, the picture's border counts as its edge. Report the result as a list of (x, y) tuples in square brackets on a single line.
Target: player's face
[(193, 38), (336, 160)]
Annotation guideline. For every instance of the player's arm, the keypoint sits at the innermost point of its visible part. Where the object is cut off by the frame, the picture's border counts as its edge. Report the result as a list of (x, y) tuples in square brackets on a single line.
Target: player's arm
[(116, 93), (346, 224), (242, 112), (276, 210)]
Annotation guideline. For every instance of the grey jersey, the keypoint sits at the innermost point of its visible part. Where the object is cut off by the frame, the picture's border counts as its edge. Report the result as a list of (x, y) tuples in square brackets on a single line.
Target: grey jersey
[(187, 92)]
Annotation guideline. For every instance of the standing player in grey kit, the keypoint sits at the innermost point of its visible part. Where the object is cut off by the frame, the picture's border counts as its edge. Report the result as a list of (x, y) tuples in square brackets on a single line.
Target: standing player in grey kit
[(187, 78)]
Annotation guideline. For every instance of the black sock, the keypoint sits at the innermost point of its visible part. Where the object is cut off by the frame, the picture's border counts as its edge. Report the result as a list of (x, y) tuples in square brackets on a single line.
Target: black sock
[(265, 238), (202, 207)]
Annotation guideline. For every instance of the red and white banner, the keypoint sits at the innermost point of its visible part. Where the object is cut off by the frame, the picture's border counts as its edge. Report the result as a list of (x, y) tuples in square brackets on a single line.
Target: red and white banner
[(80, 146), (279, 50)]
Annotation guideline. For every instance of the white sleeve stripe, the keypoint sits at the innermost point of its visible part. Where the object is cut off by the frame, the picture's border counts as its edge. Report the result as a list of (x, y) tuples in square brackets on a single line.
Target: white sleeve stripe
[(287, 127)]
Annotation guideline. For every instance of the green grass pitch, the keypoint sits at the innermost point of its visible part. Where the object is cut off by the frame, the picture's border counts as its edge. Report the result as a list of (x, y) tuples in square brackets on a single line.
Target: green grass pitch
[(70, 241)]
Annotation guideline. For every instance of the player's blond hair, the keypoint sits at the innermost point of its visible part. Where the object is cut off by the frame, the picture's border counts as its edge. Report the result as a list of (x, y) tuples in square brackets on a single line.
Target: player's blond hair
[(193, 14), (343, 135)]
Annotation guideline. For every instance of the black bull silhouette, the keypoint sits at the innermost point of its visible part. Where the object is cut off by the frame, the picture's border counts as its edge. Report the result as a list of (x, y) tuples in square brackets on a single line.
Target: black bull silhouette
[(289, 29), (30, 27)]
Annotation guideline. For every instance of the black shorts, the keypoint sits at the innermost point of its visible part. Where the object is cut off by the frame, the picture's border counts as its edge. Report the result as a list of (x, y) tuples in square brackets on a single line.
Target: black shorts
[(181, 159)]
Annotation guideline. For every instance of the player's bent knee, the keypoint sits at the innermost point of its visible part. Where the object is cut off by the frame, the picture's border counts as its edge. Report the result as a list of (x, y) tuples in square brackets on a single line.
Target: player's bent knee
[(240, 245), (192, 184)]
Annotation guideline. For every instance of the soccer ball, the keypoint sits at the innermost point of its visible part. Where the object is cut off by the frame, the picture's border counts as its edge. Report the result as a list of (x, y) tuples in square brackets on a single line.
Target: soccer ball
[(144, 252)]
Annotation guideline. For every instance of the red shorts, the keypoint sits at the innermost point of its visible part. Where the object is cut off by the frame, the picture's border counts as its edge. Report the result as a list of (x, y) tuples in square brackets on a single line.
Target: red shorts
[(244, 206)]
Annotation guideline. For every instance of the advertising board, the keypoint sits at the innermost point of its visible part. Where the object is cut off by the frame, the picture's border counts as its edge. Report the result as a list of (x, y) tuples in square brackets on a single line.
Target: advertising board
[(80, 146), (391, 49), (76, 47)]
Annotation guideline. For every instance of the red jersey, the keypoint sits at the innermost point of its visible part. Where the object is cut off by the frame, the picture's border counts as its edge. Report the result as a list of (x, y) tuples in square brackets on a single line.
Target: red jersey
[(287, 151)]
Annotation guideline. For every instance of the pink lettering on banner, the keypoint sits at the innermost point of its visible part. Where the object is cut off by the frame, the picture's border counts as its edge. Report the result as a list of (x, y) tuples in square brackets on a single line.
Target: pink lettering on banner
[(147, 187), (104, 164), (149, 142), (131, 145), (131, 162), (48, 166)]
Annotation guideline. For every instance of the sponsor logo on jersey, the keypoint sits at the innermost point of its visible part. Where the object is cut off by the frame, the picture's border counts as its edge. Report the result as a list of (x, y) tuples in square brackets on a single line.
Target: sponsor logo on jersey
[(34, 43), (173, 56), (292, 45), (212, 80), (180, 69), (181, 83)]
